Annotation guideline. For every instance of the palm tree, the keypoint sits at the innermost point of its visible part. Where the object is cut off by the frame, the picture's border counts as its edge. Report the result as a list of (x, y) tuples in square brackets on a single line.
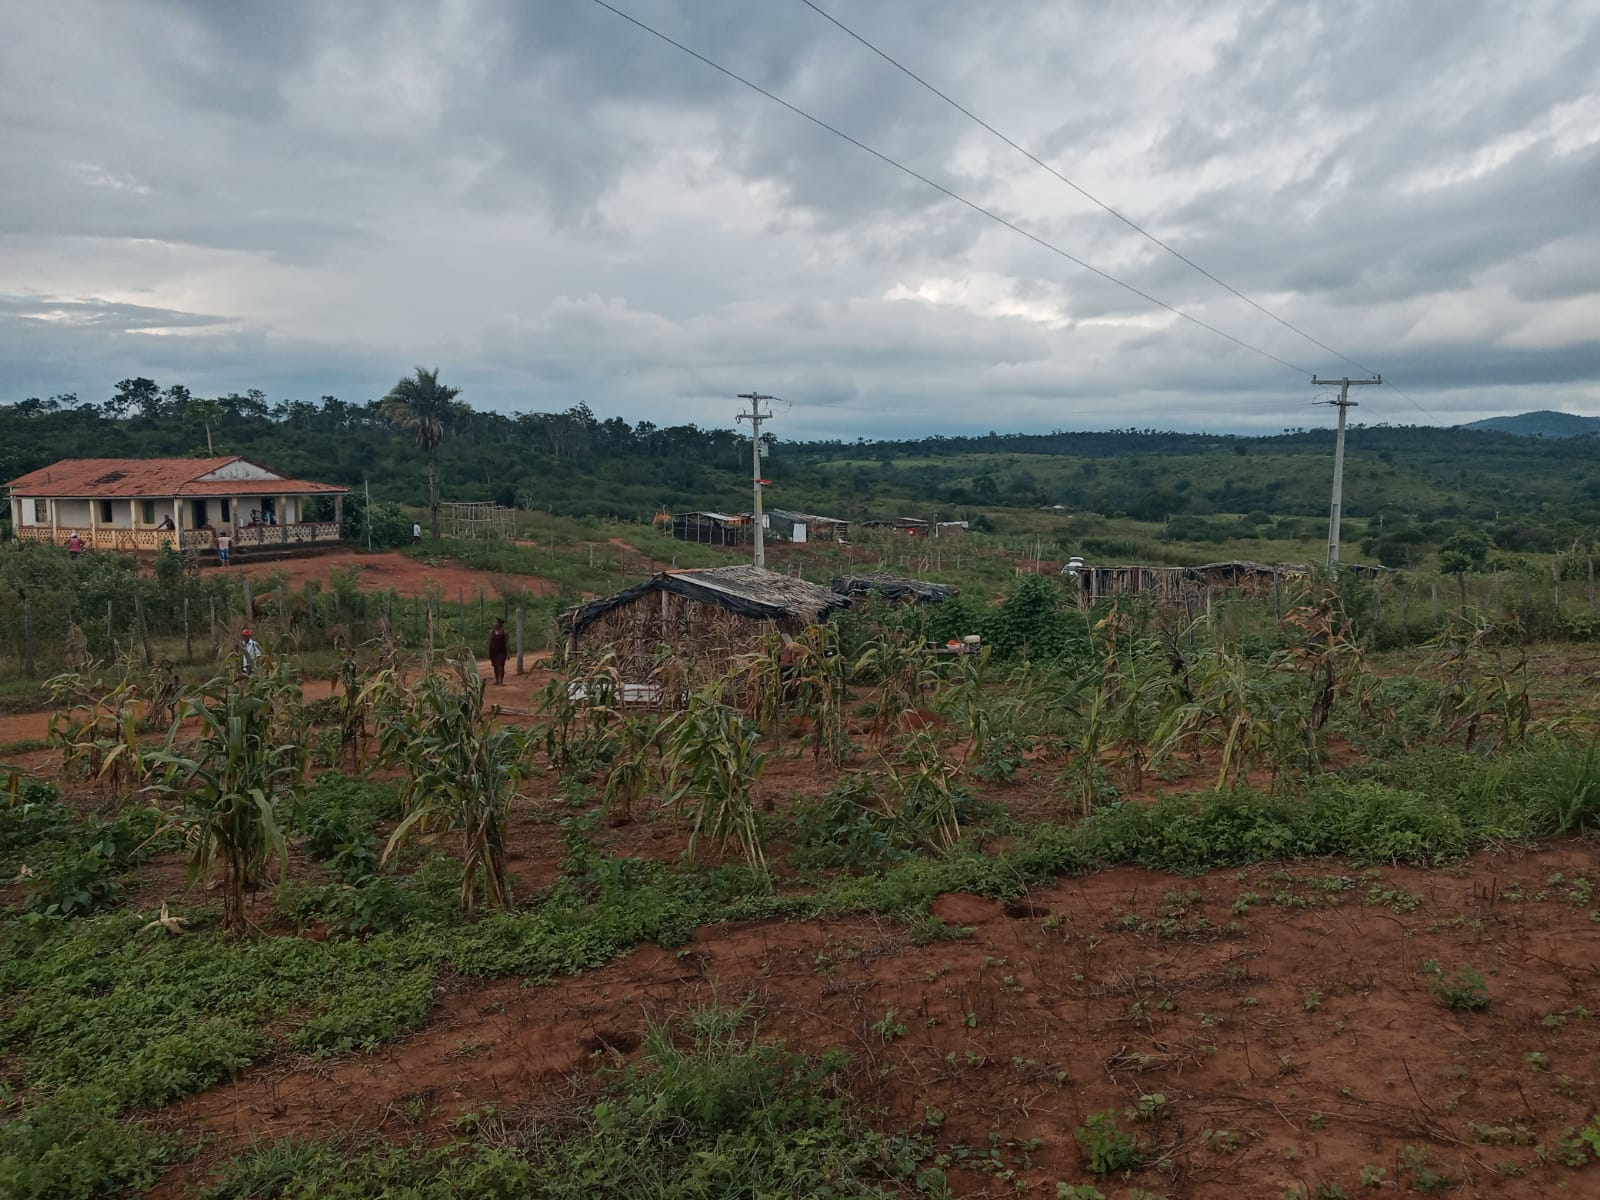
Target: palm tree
[(425, 408), (206, 411)]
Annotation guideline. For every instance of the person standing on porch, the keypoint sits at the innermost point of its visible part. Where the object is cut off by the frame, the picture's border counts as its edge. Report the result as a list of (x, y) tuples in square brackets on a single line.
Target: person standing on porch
[(74, 545), (497, 650), (224, 548)]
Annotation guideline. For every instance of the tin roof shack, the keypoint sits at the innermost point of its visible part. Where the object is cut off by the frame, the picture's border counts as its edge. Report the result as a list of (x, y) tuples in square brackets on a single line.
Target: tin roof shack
[(894, 588), (713, 528), (1187, 586), (705, 616), (806, 527), (907, 526)]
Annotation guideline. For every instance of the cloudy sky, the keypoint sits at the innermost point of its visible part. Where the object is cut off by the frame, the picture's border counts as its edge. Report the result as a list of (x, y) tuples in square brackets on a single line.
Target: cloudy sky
[(552, 206)]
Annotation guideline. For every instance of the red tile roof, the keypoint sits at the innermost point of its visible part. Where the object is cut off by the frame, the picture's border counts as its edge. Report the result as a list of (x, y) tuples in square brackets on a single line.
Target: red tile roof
[(152, 477)]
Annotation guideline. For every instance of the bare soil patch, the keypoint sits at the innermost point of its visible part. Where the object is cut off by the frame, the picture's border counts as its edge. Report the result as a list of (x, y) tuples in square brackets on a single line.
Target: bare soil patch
[(409, 577), (1282, 1013)]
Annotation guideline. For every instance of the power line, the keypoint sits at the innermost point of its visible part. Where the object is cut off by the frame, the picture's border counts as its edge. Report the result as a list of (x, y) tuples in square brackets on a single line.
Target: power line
[(956, 196), (1093, 199), (1087, 195)]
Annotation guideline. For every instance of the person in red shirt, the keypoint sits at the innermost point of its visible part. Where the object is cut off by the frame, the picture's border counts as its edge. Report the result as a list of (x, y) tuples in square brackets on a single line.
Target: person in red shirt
[(497, 650)]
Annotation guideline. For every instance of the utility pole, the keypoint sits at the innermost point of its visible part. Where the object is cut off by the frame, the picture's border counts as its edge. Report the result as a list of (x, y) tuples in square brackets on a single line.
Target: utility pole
[(755, 416), (1343, 404)]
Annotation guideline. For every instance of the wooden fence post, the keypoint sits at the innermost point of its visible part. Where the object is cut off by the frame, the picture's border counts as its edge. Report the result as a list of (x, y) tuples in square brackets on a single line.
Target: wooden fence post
[(188, 640), (519, 639), (249, 604), (144, 631), (27, 639), (216, 643), (1435, 601), (1591, 587)]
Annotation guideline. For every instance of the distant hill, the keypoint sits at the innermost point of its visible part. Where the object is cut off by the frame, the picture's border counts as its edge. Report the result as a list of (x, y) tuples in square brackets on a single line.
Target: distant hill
[(1540, 424)]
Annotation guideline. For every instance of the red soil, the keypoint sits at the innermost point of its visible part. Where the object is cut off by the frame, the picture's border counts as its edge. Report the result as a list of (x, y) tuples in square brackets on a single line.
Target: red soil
[(1307, 1034), (407, 576)]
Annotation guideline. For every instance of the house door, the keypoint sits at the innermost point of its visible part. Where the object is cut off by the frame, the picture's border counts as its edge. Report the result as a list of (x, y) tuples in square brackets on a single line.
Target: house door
[(198, 509)]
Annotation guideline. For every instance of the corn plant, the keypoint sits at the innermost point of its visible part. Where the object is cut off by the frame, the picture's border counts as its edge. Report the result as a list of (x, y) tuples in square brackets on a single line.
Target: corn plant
[(814, 684), (963, 695), (98, 733), (922, 783), (631, 769), (226, 784), (755, 682), (902, 674), (1484, 699), (462, 774), (712, 766)]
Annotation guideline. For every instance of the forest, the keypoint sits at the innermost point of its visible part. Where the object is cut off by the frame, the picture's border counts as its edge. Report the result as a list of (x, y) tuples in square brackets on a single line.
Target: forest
[(1528, 493)]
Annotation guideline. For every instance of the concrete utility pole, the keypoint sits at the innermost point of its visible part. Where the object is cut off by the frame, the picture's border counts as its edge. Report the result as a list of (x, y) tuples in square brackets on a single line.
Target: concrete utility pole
[(755, 416), (1343, 404)]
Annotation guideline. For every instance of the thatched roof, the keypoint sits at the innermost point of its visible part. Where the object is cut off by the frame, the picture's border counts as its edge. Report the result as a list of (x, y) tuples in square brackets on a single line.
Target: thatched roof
[(894, 587), (749, 591)]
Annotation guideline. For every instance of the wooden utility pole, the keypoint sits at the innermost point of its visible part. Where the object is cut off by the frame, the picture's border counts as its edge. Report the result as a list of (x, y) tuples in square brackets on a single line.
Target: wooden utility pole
[(1343, 404), (755, 416)]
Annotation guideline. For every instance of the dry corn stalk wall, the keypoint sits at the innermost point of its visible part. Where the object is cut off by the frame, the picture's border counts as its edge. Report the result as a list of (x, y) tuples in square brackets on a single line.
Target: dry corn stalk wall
[(704, 637)]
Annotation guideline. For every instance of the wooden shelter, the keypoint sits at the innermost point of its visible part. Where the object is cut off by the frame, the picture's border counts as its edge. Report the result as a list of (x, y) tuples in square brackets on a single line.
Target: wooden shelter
[(705, 617), (806, 527), (713, 528)]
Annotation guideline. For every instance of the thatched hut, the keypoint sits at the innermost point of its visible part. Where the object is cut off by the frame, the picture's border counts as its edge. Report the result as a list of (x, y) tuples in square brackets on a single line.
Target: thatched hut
[(895, 588), (707, 616)]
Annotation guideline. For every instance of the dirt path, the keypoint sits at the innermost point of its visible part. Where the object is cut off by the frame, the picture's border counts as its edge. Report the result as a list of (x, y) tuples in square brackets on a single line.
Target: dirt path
[(1279, 1021)]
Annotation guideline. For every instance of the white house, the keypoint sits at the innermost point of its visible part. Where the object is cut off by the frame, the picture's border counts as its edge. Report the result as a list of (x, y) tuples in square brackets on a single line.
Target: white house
[(139, 504)]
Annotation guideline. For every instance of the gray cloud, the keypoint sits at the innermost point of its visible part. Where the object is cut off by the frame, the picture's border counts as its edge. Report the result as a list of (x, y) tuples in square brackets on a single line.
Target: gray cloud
[(555, 207)]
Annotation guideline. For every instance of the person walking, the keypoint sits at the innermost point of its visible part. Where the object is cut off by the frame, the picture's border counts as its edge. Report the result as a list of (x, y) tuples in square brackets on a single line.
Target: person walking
[(416, 533), (224, 548), (497, 650), (74, 545), (249, 654)]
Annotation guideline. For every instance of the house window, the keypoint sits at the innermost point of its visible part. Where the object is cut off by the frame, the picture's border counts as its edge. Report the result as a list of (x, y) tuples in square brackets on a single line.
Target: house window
[(41, 512), (105, 512), (149, 514)]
